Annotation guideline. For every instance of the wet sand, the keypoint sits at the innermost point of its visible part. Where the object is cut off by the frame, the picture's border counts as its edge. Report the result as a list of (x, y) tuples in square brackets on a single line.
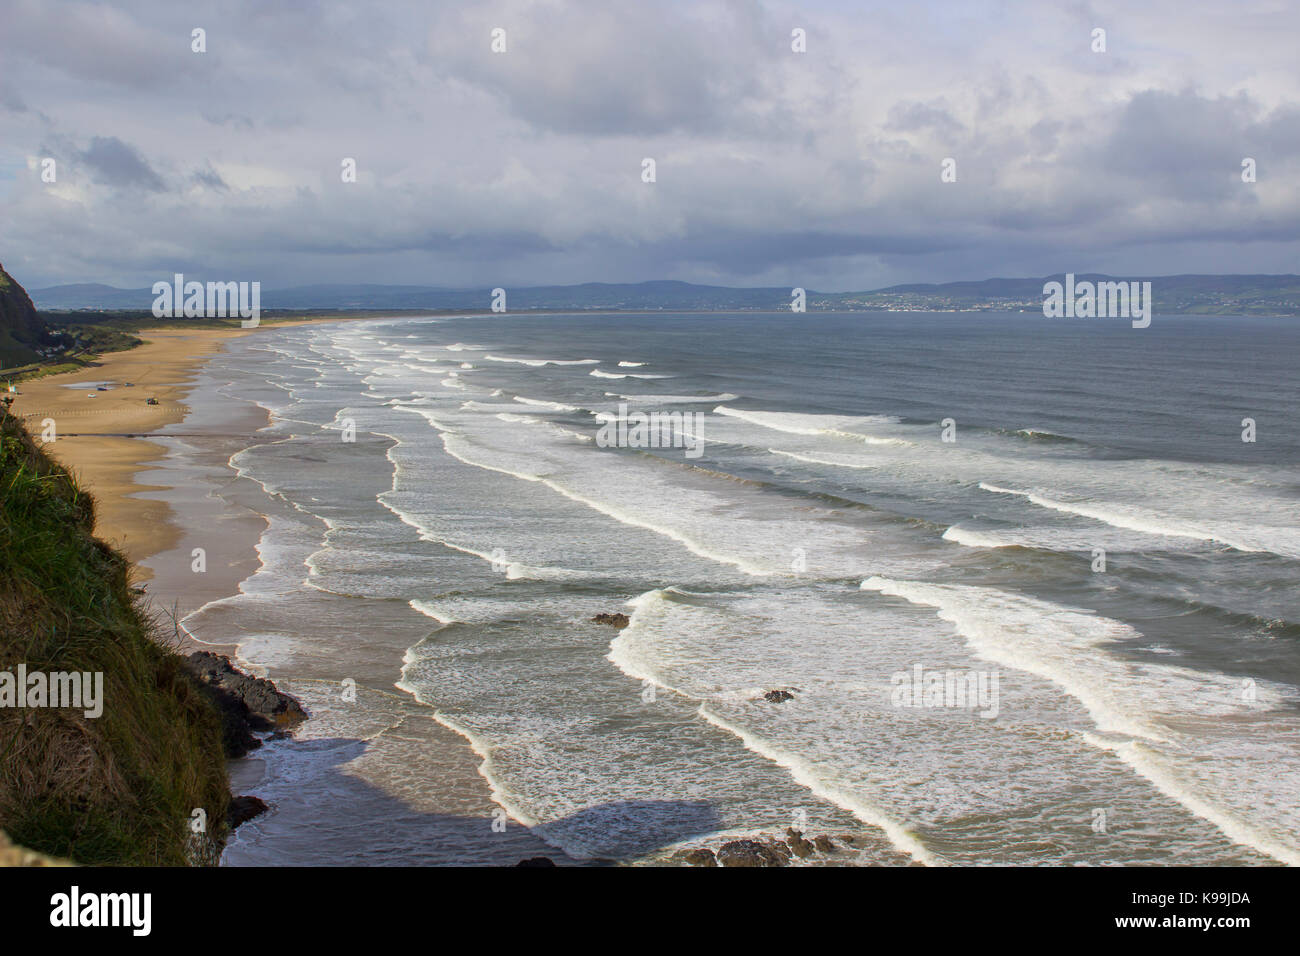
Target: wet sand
[(92, 430)]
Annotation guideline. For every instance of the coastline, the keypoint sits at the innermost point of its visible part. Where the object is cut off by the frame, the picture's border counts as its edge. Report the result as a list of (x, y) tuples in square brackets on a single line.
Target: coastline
[(162, 478), (163, 483), (109, 439), (118, 445)]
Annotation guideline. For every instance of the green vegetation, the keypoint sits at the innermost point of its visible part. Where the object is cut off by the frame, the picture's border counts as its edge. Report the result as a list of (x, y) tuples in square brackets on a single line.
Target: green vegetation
[(91, 343), (118, 789)]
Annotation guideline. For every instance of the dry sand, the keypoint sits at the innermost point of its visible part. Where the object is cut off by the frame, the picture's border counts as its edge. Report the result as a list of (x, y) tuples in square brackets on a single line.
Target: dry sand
[(91, 429)]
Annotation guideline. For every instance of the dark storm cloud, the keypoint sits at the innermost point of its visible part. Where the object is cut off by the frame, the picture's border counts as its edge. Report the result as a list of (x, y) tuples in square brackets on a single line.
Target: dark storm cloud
[(114, 163), (820, 169), (749, 254), (209, 177)]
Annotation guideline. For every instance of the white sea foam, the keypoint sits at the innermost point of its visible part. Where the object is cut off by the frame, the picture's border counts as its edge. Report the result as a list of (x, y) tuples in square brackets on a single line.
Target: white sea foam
[(537, 363), (637, 661), (1282, 541), (842, 462), (599, 374), (1165, 775), (674, 399), (806, 775), (834, 426), (1066, 539), (741, 532), (557, 406), (1180, 728)]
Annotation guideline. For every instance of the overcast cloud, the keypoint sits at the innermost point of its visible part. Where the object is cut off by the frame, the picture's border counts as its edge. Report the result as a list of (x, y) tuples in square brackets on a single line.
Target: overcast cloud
[(475, 168)]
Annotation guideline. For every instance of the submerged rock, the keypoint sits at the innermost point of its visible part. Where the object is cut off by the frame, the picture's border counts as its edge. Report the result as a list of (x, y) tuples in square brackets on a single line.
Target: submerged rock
[(824, 845), (778, 696), (536, 861), (619, 620), (246, 703), (243, 809), (800, 847), (700, 857), (749, 853)]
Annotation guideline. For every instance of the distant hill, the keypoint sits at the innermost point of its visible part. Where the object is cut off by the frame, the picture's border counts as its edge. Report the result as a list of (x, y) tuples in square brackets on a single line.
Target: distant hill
[(22, 331), (590, 295), (1227, 294), (1173, 295)]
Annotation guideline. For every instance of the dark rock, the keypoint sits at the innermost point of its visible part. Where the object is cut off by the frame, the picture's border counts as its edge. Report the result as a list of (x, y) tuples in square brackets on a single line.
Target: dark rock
[(236, 735), (613, 620), (799, 846), (780, 848), (246, 703), (749, 853), (824, 844), (701, 857), (536, 861), (778, 696), (243, 809)]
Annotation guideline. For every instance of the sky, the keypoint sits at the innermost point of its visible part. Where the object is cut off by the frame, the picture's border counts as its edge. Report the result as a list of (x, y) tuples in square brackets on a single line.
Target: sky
[(475, 168)]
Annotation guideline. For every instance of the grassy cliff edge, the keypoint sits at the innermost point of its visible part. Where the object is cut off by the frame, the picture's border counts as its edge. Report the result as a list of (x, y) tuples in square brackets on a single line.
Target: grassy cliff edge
[(121, 788)]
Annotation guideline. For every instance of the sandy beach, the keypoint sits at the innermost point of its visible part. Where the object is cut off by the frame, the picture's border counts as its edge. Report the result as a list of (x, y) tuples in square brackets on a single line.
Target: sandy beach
[(103, 437), (92, 428)]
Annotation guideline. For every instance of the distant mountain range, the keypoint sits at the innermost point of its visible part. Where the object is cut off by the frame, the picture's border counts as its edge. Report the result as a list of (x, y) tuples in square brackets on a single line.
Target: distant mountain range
[(1190, 294)]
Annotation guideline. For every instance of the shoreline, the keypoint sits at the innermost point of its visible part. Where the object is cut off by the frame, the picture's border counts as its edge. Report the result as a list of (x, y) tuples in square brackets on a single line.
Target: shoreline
[(163, 484), (118, 446), (110, 439), (161, 478)]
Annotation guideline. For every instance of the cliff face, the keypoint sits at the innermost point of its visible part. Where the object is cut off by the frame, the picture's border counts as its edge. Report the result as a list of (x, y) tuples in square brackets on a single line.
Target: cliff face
[(132, 771), (21, 329)]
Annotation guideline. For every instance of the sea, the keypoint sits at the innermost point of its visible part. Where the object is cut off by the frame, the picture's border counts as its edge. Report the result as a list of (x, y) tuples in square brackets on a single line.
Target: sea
[(1030, 587)]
